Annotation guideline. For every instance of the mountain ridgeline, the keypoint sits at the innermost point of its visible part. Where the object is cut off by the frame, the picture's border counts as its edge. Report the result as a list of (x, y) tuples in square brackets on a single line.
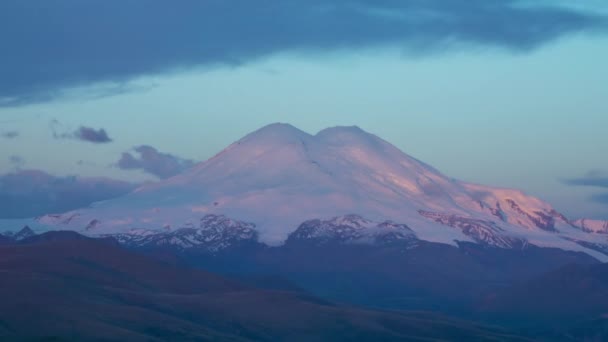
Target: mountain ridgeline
[(277, 178)]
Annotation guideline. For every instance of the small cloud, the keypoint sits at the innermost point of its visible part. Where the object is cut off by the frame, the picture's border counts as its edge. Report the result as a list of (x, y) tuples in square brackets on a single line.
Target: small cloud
[(594, 178), (162, 165), (85, 163), (16, 160), (98, 136), (29, 193), (10, 135), (83, 133), (59, 130)]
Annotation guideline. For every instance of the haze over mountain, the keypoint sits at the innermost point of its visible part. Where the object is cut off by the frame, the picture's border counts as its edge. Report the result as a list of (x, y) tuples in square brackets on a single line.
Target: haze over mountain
[(279, 177)]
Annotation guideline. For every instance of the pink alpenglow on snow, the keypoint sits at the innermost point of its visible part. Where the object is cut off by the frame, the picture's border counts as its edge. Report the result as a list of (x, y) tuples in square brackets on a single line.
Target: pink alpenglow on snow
[(279, 177)]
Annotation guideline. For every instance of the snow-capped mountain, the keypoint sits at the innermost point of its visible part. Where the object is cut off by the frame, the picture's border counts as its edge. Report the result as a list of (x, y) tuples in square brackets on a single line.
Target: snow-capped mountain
[(24, 233), (279, 177)]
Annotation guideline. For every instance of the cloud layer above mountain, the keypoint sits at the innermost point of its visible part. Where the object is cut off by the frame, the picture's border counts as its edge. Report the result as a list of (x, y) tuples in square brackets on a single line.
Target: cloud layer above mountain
[(49, 45), (28, 193)]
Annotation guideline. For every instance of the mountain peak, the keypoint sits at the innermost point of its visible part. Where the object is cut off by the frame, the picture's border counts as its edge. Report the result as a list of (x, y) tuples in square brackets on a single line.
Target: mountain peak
[(343, 129), (346, 135), (276, 133), (24, 233)]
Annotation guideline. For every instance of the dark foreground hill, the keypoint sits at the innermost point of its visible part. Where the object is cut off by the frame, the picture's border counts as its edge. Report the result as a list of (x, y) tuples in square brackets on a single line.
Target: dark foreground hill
[(569, 292), (572, 302), (61, 286)]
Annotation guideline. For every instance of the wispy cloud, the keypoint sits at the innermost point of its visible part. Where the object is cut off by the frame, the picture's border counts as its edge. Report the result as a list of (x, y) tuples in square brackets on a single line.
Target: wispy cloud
[(594, 178), (115, 41), (16, 161), (28, 193), (10, 134), (82, 162), (150, 160)]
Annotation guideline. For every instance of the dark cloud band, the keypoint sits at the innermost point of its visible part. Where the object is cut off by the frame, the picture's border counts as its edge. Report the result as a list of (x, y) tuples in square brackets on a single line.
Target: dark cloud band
[(48, 45), (28, 193)]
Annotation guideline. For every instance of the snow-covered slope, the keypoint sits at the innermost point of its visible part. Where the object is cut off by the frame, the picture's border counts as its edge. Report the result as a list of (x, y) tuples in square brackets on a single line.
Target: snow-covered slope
[(592, 226), (279, 177)]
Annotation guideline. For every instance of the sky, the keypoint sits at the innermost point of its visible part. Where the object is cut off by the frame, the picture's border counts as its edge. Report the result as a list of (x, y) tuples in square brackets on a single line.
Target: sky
[(99, 96)]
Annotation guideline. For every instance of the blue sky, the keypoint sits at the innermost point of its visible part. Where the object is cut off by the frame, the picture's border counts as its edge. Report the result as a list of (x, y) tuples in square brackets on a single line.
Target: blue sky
[(508, 93)]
